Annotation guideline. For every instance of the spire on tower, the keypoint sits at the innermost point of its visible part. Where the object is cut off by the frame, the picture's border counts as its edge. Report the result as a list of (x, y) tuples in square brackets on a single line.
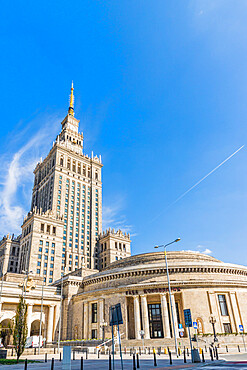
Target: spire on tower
[(71, 100)]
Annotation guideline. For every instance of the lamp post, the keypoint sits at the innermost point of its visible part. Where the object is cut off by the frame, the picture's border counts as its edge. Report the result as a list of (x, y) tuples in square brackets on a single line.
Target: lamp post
[(212, 320), (169, 288), (103, 324), (60, 317)]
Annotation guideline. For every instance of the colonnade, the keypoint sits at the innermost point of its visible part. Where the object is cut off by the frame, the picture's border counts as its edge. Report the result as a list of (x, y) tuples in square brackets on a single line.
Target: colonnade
[(145, 316)]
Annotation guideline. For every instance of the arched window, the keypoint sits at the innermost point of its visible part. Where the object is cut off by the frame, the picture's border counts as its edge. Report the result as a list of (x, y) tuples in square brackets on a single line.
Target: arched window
[(96, 175), (61, 161), (68, 163)]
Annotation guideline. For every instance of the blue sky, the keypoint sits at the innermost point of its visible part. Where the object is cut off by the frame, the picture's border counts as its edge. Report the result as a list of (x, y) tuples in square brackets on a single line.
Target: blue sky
[(161, 92)]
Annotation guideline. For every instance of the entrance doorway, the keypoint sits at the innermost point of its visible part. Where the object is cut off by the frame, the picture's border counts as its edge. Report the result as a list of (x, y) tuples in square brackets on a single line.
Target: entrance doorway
[(155, 321)]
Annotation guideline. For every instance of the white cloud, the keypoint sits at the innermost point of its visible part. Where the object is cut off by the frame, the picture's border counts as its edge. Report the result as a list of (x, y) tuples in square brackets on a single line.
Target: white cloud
[(16, 178), (200, 249), (114, 218)]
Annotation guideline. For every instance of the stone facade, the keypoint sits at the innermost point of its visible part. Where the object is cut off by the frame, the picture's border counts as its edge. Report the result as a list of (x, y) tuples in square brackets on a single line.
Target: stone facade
[(199, 282)]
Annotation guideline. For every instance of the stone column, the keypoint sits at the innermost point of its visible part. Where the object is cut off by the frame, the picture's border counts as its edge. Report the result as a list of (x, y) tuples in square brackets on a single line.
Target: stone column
[(137, 317), (235, 310), (165, 316), (89, 320), (50, 324), (175, 317), (145, 321), (56, 325), (85, 320), (101, 317), (29, 318)]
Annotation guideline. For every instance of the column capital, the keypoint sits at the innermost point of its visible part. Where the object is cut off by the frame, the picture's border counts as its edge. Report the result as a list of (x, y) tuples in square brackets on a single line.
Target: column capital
[(143, 295)]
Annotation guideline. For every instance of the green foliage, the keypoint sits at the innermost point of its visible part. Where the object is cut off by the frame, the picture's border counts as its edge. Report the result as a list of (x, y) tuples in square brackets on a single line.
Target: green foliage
[(20, 328)]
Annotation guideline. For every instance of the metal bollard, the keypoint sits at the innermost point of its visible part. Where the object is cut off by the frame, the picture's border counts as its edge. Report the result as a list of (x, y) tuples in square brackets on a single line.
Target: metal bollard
[(140, 351), (73, 355), (188, 352), (35, 350), (98, 353), (170, 355), (60, 356), (226, 349), (185, 357), (45, 357), (81, 363), (211, 354), (216, 353), (238, 348), (25, 364), (12, 352), (134, 362), (149, 351), (54, 350), (203, 359), (137, 362), (109, 361), (155, 362), (87, 353), (52, 363)]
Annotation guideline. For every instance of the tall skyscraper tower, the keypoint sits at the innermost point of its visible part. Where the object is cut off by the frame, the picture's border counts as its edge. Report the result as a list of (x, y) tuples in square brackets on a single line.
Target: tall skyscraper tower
[(68, 184)]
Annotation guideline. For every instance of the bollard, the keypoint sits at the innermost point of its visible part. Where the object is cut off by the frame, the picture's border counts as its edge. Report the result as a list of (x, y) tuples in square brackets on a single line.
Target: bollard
[(140, 351), (87, 350), (54, 350), (203, 359), (185, 357), (170, 355), (179, 351), (73, 355), (165, 351), (134, 362), (25, 364), (45, 357), (226, 349), (52, 363), (238, 348), (82, 363), (35, 350), (137, 362), (98, 353), (60, 356), (149, 351), (211, 354), (155, 362), (109, 361), (216, 353), (205, 348), (188, 352), (200, 350)]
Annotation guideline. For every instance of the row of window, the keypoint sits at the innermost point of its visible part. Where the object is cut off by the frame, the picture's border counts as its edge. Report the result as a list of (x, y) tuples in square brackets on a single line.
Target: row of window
[(48, 229), (78, 167)]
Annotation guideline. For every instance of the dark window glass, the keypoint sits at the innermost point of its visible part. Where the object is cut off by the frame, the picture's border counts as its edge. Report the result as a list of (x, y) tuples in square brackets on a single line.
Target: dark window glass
[(223, 306), (227, 328), (94, 312)]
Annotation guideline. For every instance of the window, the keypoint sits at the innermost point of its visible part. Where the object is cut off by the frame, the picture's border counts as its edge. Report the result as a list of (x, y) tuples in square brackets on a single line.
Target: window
[(68, 164), (40, 249), (41, 242), (52, 252), (73, 167), (42, 228), (53, 245), (61, 161), (38, 271), (94, 313), (223, 306), (47, 244), (39, 256), (48, 229), (227, 328), (39, 263), (52, 258), (54, 231), (51, 273), (94, 334)]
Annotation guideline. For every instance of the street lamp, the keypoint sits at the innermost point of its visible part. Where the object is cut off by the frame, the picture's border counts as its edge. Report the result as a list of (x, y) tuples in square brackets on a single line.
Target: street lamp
[(212, 320), (103, 324), (60, 317), (25, 285), (169, 288)]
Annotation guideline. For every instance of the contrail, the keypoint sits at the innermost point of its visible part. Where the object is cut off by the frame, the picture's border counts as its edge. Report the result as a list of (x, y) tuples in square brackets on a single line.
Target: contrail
[(198, 182)]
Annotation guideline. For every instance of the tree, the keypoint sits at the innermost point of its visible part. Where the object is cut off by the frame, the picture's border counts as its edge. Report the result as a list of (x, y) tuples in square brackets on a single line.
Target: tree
[(20, 328)]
